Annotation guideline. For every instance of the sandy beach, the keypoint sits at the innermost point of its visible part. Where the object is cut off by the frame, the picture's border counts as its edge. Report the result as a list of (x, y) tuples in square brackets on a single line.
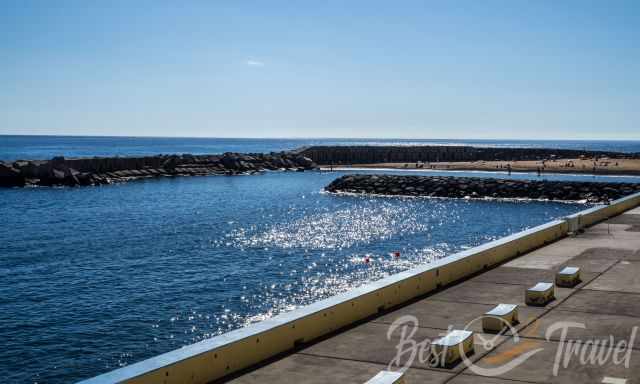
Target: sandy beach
[(602, 166)]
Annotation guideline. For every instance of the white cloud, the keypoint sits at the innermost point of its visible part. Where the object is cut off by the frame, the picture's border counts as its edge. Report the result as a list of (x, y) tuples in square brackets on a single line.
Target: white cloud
[(254, 63)]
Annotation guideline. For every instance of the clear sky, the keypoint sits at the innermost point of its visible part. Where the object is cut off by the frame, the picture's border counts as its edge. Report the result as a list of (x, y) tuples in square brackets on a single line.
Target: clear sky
[(423, 69)]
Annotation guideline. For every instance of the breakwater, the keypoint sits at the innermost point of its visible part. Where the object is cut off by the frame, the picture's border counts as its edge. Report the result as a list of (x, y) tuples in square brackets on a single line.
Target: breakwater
[(471, 187), (370, 154), (61, 171)]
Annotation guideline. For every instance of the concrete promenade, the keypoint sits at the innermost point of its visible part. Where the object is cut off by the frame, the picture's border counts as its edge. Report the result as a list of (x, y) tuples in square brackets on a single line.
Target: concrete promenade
[(607, 303)]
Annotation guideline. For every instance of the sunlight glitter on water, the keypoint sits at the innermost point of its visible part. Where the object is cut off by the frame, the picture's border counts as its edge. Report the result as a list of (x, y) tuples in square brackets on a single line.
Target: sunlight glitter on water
[(374, 219), (335, 245)]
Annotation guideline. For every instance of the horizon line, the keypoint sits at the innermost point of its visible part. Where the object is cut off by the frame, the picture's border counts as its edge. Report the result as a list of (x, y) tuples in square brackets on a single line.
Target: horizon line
[(314, 137)]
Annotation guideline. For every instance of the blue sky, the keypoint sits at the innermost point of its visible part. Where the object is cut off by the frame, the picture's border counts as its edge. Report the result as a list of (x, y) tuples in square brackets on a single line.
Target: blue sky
[(424, 69)]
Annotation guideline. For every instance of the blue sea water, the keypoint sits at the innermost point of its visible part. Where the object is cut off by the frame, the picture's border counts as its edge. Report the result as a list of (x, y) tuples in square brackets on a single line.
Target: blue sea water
[(45, 147), (99, 277)]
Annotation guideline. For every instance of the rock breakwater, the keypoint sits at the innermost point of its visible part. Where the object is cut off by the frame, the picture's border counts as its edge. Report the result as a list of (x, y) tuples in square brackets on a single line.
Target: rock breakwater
[(371, 154), (472, 187), (60, 171)]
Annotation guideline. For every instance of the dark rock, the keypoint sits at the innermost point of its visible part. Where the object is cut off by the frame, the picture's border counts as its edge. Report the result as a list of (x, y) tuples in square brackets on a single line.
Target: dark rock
[(170, 163), (10, 177), (57, 174)]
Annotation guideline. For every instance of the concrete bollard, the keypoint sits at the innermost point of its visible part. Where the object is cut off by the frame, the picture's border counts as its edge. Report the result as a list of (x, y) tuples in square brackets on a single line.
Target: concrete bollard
[(387, 377), (540, 294), (449, 349), (503, 315), (568, 277)]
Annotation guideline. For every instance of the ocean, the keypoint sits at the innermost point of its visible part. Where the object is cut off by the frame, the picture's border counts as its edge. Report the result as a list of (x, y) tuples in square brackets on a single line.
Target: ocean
[(95, 278), (45, 147)]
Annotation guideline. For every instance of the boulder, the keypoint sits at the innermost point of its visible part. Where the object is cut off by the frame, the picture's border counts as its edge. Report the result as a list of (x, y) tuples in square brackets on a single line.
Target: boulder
[(305, 162), (170, 163), (230, 161), (10, 177)]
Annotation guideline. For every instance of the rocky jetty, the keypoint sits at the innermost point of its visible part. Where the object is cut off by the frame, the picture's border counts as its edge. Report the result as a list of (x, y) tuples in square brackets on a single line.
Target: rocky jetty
[(371, 154), (472, 187), (60, 171)]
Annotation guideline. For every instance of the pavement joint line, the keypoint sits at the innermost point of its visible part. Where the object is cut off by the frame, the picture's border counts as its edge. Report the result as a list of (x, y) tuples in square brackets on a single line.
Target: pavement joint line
[(441, 370), (438, 328), (462, 302), (495, 282), (599, 313), (607, 291), (498, 283), (577, 341), (420, 326), (582, 283), (383, 366), (555, 302), (505, 379)]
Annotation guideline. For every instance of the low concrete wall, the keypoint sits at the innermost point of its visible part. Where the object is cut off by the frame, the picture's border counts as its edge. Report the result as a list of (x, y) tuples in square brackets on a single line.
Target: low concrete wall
[(595, 215), (217, 357)]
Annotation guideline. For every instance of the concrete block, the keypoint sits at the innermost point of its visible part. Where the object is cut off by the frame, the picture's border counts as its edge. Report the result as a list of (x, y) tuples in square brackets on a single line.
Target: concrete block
[(387, 377), (503, 315), (568, 277), (448, 350), (540, 294)]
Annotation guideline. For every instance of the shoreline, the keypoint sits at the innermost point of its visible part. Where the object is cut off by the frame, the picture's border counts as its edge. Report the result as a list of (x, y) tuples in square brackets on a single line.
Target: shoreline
[(455, 171), (466, 198), (613, 167)]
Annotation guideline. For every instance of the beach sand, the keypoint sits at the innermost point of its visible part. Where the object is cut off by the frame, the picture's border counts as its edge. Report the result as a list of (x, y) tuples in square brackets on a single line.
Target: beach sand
[(585, 166)]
